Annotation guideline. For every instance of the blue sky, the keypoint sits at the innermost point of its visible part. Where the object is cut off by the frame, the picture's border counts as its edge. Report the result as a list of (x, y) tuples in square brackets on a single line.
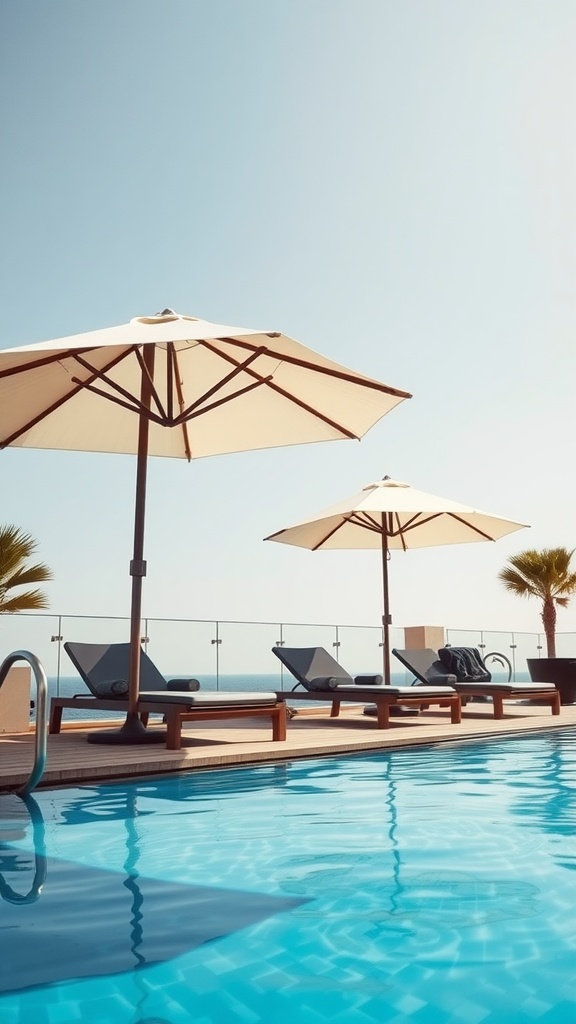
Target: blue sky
[(393, 184)]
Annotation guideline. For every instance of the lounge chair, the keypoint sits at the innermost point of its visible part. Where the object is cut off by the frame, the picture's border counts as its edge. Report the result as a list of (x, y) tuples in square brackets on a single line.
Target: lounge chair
[(104, 669), (428, 669), (323, 679)]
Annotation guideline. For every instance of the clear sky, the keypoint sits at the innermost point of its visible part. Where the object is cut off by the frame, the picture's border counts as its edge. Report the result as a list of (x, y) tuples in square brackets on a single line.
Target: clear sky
[(391, 183)]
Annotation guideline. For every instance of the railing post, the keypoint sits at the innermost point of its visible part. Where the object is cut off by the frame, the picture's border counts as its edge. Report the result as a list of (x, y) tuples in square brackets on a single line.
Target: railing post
[(57, 638), (217, 641), (336, 643)]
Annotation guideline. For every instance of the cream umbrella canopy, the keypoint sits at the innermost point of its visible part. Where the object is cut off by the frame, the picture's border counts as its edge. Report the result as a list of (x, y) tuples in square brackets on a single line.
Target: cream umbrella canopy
[(391, 515), (179, 387)]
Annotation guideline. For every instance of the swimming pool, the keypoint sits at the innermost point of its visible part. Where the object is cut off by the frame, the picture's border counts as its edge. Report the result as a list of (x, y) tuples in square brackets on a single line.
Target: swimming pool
[(429, 886)]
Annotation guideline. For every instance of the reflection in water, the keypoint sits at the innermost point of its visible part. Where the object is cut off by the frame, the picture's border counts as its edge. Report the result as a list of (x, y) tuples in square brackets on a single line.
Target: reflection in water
[(8, 894), (375, 887), (112, 803), (137, 915), (394, 847), (551, 775)]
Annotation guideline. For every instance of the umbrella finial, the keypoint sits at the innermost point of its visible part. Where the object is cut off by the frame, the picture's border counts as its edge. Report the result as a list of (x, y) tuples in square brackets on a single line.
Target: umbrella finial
[(161, 318), (386, 481)]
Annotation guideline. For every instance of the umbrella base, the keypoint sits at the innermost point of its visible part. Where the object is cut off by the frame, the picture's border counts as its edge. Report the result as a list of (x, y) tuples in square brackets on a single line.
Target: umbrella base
[(131, 733), (395, 709)]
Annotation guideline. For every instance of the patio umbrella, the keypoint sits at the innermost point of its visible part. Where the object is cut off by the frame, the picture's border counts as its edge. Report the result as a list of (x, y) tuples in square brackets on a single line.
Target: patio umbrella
[(179, 387), (389, 514)]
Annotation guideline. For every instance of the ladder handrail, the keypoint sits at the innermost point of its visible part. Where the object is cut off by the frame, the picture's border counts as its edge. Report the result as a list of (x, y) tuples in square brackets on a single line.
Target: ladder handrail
[(7, 893), (41, 727)]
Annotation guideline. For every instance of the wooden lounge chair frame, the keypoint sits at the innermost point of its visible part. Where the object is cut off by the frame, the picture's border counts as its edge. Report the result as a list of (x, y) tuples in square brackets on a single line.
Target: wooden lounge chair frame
[(95, 662), (423, 661), (351, 692), (175, 713)]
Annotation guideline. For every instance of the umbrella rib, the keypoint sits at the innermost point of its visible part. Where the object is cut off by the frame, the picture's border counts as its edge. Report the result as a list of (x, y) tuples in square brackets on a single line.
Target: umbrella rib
[(171, 376), (60, 401), (55, 357), (400, 532), (292, 398), (131, 404), (474, 529), (174, 377), (219, 402), (364, 521), (238, 367), (328, 535), (326, 370), (136, 405), (153, 392)]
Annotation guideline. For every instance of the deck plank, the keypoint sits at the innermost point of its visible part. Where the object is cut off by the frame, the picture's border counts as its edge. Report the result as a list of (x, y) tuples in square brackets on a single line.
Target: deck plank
[(72, 761)]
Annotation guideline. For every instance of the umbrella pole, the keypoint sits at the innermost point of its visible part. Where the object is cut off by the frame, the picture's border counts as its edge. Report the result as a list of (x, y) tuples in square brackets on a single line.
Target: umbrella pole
[(133, 731), (387, 621), (386, 618)]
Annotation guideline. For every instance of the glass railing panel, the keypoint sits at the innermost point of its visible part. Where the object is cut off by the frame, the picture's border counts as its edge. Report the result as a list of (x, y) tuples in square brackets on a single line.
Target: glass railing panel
[(245, 659), (37, 633), (361, 651), (94, 629), (565, 646), (298, 634), (464, 637), (184, 647), (524, 646), (498, 642)]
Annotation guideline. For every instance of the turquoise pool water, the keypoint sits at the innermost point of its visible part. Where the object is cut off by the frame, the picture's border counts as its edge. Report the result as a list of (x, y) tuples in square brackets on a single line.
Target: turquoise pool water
[(428, 886)]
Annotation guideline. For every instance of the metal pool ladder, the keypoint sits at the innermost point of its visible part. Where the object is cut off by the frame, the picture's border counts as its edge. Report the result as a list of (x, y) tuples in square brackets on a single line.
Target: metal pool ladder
[(41, 727)]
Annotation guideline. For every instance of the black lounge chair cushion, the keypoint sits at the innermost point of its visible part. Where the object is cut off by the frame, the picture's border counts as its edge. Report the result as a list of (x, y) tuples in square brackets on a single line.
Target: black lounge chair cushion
[(465, 663), (376, 680), (184, 685)]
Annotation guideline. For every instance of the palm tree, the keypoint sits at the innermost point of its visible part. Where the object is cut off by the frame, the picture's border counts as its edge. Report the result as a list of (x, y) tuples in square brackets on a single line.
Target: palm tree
[(16, 547), (544, 574)]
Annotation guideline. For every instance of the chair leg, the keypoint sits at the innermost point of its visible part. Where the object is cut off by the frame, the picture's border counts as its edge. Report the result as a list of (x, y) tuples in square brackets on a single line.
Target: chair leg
[(456, 712), (382, 714), (173, 731), (279, 716), (56, 718), (335, 710), (498, 701)]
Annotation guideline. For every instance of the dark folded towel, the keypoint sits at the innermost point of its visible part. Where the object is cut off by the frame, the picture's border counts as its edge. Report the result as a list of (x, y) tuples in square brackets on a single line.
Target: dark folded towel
[(368, 680), (466, 664), (322, 683)]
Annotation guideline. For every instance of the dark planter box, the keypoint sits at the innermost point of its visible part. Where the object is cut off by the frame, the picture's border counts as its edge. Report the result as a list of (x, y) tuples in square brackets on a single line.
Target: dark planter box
[(560, 671)]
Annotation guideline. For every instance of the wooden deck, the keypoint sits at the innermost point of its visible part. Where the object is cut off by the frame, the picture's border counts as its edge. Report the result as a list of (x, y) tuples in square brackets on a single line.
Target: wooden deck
[(73, 761)]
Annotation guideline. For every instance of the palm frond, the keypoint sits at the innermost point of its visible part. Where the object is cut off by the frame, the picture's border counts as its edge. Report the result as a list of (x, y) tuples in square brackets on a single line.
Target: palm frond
[(28, 601), (16, 548), (31, 574)]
